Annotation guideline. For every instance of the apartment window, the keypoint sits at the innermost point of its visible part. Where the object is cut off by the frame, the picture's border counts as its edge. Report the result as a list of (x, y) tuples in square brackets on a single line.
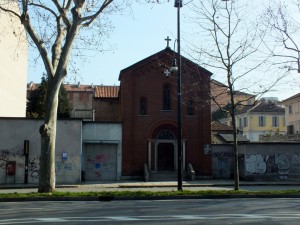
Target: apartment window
[(275, 121), (166, 97), (240, 124), (290, 109), (245, 121), (261, 121)]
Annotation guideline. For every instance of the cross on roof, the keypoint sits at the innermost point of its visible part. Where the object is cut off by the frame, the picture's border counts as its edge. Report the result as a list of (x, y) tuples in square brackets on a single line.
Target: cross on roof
[(168, 40)]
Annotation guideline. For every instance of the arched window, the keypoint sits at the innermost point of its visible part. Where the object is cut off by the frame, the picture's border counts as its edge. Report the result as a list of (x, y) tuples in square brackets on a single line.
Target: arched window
[(143, 106), (166, 134), (166, 97)]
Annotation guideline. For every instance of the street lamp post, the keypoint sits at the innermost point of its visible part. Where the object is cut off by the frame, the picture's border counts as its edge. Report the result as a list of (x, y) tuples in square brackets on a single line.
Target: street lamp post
[(178, 5)]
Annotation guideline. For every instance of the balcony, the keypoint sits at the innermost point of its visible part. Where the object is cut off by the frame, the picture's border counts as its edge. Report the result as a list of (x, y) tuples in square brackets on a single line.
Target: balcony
[(84, 114)]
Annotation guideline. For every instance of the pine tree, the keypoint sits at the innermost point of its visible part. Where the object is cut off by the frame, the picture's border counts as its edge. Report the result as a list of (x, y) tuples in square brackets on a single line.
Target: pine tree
[(36, 102)]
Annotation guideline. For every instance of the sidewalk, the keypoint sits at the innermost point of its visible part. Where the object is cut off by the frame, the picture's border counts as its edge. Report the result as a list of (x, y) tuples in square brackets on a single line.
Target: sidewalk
[(156, 186)]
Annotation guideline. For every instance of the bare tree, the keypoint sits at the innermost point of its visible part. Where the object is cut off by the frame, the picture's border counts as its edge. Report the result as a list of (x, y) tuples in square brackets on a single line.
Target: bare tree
[(55, 28), (232, 49), (280, 19)]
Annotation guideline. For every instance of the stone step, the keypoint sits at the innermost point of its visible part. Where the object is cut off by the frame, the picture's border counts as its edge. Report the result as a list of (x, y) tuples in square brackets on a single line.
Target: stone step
[(164, 176)]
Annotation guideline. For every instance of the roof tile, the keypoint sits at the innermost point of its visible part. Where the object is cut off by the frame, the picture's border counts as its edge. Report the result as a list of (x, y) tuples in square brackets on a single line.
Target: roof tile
[(106, 91)]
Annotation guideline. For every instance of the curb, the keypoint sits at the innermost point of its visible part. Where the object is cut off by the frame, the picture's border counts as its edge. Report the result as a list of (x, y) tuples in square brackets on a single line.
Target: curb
[(152, 198)]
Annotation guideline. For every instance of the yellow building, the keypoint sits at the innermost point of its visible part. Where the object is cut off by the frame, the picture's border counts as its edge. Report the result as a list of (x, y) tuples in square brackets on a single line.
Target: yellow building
[(292, 114), (266, 118)]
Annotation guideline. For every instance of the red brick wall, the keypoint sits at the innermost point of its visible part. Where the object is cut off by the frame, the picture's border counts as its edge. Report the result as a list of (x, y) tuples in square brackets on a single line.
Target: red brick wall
[(147, 81), (107, 110)]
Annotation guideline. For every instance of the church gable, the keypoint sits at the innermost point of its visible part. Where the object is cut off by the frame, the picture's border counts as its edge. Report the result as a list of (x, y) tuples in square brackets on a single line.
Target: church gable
[(160, 61)]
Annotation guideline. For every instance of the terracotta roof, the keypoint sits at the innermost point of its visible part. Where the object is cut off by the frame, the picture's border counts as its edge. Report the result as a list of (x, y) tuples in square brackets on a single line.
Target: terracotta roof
[(106, 91), (292, 97), (218, 126)]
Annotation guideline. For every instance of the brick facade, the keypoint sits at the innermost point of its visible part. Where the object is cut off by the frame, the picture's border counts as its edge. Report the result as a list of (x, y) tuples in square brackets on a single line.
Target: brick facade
[(143, 131)]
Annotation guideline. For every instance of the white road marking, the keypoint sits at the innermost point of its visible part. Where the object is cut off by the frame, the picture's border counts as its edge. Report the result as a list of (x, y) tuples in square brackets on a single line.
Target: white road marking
[(151, 218)]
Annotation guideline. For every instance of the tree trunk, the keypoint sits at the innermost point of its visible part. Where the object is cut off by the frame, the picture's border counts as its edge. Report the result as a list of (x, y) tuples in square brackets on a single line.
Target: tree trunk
[(48, 137), (235, 143)]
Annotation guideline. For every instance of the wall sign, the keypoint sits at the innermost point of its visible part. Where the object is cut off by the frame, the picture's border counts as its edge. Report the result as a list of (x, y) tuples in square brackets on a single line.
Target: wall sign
[(64, 156)]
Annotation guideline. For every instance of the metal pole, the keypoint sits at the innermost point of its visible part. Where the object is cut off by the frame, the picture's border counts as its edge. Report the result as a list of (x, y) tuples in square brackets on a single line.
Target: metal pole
[(179, 117), (26, 153)]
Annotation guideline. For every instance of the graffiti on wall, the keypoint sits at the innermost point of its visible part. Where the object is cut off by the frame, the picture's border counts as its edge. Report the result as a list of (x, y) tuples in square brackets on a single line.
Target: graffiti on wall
[(296, 162), (65, 163), (256, 164), (17, 155), (281, 164), (11, 155), (99, 164), (33, 168)]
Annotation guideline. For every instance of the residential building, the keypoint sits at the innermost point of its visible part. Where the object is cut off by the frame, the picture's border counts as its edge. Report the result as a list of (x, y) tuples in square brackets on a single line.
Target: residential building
[(81, 98), (13, 64), (266, 118), (221, 96), (292, 114)]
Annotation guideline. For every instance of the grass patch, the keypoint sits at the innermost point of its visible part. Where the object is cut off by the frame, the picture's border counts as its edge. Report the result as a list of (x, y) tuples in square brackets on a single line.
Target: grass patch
[(146, 193)]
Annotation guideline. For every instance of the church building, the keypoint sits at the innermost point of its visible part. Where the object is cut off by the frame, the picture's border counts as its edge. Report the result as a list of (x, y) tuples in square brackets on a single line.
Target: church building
[(148, 107)]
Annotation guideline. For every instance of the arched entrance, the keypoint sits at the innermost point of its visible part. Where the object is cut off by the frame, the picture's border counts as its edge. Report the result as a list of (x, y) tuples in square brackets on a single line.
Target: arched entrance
[(165, 151), (162, 152)]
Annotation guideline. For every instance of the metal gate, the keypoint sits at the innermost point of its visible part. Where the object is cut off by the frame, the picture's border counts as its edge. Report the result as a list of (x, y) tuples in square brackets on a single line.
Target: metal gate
[(101, 162)]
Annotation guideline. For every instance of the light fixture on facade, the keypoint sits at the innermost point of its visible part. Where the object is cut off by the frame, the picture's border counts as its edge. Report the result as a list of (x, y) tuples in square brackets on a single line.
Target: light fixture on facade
[(174, 67)]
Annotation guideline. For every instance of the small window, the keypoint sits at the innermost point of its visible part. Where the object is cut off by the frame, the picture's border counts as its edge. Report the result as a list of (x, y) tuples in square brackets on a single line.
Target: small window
[(190, 107), (275, 121), (143, 106), (240, 124), (166, 97), (245, 122), (261, 121), (290, 109)]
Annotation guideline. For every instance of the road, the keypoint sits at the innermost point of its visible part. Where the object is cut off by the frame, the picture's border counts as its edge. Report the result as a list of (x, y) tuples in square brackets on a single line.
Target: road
[(175, 212)]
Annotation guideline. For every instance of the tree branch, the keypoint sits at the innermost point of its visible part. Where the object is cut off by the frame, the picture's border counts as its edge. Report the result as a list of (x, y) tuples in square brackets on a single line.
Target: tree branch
[(91, 18)]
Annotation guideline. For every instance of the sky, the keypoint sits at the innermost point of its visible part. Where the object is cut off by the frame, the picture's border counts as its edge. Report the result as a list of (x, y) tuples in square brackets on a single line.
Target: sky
[(135, 37)]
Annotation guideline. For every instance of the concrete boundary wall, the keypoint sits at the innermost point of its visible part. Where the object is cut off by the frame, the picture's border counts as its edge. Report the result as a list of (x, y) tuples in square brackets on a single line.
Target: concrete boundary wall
[(258, 161), (13, 132)]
